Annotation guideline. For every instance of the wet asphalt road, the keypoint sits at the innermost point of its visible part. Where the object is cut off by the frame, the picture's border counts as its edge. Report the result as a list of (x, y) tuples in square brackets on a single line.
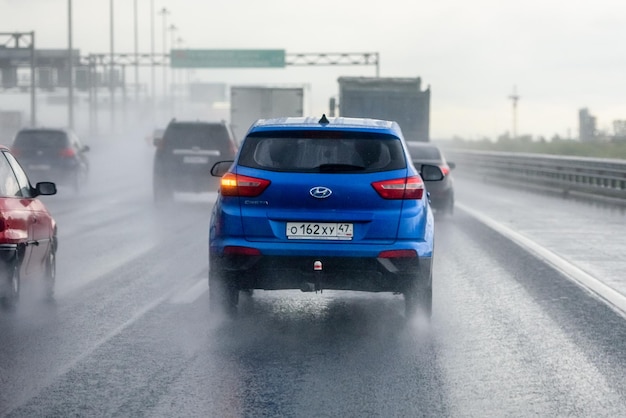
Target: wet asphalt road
[(130, 333)]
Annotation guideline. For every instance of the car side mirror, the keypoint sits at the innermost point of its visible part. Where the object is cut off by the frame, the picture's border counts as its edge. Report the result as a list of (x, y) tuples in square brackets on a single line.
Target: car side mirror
[(45, 188), (220, 168), (86, 148), (451, 165), (431, 173)]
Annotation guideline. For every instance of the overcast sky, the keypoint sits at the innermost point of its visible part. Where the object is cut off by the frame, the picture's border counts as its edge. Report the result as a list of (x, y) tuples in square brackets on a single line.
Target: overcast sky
[(561, 54)]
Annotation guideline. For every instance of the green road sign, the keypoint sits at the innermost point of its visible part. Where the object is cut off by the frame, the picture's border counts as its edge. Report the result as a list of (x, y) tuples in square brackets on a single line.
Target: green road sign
[(227, 58)]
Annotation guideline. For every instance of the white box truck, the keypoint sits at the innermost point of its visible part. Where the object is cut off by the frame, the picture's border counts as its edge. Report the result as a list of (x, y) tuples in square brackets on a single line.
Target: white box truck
[(249, 103), (391, 98)]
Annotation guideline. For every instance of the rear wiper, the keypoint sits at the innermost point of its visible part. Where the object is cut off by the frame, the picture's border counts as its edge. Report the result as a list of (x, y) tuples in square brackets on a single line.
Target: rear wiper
[(337, 168)]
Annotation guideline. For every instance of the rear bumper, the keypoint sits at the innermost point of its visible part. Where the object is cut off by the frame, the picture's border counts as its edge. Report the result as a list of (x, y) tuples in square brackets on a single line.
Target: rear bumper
[(56, 174), (193, 183), (8, 253), (370, 274), (195, 179)]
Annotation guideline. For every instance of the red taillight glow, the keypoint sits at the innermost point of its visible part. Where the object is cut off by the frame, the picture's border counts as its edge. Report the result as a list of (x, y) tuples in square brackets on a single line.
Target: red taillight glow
[(237, 250), (67, 152), (402, 188), (444, 169), (237, 185), (398, 254)]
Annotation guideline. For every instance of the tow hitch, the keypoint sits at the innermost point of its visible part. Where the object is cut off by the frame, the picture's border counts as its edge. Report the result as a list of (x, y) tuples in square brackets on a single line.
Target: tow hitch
[(316, 286)]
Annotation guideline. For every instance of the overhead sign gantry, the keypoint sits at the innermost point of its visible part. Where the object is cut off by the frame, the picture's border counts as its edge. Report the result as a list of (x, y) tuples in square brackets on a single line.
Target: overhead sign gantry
[(15, 49), (18, 49), (266, 58)]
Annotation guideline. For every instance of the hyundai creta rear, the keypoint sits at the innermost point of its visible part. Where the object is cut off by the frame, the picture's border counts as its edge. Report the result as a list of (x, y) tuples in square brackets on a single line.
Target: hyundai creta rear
[(328, 204)]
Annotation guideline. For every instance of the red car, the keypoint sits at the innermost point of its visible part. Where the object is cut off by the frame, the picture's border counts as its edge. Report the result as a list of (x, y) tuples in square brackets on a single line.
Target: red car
[(28, 233)]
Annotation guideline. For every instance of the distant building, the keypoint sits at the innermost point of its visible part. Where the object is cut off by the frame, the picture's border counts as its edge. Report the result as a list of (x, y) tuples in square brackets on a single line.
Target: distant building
[(619, 129), (586, 125)]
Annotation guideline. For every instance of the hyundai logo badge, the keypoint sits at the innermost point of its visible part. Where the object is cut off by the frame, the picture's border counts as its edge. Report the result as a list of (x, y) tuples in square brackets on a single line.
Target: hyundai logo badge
[(320, 192)]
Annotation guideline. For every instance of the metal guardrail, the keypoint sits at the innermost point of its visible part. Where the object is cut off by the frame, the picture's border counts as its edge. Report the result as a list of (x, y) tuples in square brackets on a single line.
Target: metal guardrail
[(596, 176)]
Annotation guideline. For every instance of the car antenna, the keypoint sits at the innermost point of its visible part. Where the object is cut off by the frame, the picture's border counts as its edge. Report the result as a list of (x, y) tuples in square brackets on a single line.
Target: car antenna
[(323, 120)]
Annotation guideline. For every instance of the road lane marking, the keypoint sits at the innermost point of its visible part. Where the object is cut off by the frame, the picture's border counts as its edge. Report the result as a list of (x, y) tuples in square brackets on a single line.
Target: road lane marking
[(69, 365), (595, 287), (191, 294)]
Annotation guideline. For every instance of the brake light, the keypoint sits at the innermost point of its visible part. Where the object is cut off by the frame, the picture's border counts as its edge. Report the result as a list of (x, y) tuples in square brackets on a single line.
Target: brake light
[(398, 254), (402, 188), (238, 185), (67, 152), (444, 169), (3, 225), (238, 250)]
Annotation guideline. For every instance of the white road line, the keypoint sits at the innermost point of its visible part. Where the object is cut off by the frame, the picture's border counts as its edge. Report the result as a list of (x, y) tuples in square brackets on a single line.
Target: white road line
[(119, 329), (600, 290), (191, 294), (65, 368)]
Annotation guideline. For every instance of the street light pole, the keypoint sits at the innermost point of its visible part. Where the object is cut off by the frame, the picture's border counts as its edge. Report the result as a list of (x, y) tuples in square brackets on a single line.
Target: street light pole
[(70, 69), (136, 25), (164, 12), (180, 43), (514, 98), (112, 71), (152, 66), (33, 102), (173, 29)]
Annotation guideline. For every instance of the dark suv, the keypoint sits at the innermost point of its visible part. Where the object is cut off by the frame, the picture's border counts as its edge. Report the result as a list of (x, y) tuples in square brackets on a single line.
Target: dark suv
[(55, 155), (329, 204), (185, 154), (441, 192)]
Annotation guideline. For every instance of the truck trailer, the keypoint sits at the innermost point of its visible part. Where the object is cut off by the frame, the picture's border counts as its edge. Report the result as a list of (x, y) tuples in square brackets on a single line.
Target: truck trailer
[(249, 103), (390, 98)]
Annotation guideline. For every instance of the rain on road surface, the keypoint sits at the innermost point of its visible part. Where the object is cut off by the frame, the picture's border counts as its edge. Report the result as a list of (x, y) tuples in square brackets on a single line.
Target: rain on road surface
[(130, 333)]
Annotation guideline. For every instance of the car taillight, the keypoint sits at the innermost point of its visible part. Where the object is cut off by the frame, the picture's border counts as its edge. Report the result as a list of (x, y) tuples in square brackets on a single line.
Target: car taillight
[(398, 254), (402, 188), (67, 152), (237, 185), (444, 169), (238, 250), (3, 225)]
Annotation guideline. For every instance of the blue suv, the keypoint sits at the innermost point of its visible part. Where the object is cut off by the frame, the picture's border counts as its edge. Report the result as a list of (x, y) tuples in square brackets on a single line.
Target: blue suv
[(334, 203)]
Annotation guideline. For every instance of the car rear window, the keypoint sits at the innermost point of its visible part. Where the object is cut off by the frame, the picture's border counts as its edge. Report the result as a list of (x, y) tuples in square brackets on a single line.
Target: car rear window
[(333, 152), (41, 139), (421, 152), (203, 136)]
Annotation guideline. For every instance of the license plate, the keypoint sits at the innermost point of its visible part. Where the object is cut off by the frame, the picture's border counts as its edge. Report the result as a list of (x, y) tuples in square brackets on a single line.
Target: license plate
[(195, 159), (316, 230)]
